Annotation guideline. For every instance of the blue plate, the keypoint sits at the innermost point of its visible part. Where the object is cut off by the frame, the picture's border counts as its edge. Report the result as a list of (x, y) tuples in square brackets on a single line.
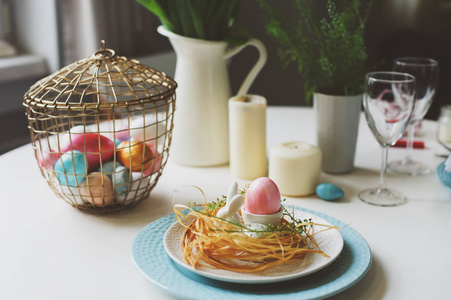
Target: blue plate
[(443, 176), (152, 260)]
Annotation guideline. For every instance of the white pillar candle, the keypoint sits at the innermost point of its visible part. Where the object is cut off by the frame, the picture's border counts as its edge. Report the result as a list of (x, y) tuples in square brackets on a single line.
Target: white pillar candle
[(295, 167), (444, 133), (247, 131)]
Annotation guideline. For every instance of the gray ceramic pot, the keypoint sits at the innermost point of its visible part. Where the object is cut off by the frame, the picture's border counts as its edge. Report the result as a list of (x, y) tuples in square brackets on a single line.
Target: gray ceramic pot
[(337, 120)]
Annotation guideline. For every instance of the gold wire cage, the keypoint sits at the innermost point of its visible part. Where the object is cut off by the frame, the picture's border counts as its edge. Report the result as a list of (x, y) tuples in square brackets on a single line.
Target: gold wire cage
[(101, 130)]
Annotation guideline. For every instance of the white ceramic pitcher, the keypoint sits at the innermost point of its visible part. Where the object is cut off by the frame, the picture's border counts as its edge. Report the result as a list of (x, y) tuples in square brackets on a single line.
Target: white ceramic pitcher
[(200, 135)]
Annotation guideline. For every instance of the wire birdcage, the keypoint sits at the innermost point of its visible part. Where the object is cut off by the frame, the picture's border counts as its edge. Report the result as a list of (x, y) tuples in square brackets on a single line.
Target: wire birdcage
[(101, 130)]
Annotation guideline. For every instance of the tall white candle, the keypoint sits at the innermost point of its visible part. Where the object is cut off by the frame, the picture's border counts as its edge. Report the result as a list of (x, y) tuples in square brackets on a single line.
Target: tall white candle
[(444, 127), (444, 133), (247, 131), (295, 167)]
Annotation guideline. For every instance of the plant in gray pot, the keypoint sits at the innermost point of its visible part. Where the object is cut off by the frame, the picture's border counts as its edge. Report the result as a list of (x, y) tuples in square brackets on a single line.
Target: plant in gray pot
[(326, 40)]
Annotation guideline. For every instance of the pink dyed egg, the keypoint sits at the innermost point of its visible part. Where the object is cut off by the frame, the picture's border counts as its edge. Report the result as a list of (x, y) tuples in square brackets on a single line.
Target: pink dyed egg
[(122, 135), (97, 189), (89, 145), (262, 197), (48, 158)]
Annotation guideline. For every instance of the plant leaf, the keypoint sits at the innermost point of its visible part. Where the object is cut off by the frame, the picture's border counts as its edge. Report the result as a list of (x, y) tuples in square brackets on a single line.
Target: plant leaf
[(203, 19), (158, 10)]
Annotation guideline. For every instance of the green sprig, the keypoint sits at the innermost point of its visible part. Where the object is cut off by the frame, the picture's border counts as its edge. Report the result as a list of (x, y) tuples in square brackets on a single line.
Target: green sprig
[(292, 226), (329, 51)]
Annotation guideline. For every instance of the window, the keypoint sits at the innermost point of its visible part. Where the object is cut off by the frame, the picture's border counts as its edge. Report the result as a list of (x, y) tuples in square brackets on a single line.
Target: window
[(6, 30), (5, 20)]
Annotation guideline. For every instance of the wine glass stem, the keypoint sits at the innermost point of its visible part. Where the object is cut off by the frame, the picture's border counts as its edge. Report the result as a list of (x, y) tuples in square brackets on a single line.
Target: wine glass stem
[(382, 185), (410, 137)]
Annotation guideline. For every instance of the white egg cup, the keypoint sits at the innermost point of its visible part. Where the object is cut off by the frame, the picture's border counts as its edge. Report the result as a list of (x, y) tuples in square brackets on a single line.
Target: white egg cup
[(273, 219)]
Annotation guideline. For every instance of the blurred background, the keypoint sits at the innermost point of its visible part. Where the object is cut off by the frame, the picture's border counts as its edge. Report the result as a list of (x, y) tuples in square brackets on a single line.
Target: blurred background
[(39, 37)]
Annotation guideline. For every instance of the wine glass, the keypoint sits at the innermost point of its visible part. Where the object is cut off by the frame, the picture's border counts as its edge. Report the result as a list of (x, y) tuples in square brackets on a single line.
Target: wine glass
[(388, 102), (425, 71)]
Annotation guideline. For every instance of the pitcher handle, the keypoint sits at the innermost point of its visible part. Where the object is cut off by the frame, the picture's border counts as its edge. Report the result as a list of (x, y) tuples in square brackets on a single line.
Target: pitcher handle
[(257, 67)]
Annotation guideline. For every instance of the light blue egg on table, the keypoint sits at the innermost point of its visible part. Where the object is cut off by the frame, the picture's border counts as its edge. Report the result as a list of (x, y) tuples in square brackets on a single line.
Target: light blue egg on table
[(70, 169), (328, 191), (121, 180), (109, 168)]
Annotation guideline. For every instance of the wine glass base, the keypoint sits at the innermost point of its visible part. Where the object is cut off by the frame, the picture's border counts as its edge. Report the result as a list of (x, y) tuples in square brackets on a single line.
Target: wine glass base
[(409, 167), (382, 197)]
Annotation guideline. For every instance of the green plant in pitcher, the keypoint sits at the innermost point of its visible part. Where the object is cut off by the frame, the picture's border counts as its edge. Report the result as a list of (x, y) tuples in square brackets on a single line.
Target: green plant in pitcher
[(201, 19)]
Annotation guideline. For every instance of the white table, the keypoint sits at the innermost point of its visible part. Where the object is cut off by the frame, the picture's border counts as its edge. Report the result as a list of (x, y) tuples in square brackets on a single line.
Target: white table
[(49, 250)]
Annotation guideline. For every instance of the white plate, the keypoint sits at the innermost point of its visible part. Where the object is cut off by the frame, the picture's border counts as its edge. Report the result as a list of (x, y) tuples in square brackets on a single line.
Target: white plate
[(331, 242)]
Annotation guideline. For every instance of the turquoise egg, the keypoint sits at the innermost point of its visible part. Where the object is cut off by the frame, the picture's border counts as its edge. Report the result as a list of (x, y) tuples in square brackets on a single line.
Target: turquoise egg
[(70, 169), (121, 180), (109, 168), (329, 191), (117, 142)]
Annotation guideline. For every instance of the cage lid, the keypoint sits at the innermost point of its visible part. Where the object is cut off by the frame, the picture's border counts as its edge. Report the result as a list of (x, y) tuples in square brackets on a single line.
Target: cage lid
[(103, 79)]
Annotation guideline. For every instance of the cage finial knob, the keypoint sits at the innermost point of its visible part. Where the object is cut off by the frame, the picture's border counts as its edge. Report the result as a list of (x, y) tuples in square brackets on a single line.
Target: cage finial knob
[(104, 53)]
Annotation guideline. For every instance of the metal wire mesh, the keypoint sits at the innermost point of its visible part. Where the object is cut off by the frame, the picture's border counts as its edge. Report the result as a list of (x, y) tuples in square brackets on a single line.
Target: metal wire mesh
[(101, 130)]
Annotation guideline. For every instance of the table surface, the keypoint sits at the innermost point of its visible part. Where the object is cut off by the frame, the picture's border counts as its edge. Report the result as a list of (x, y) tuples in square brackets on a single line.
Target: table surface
[(50, 250)]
